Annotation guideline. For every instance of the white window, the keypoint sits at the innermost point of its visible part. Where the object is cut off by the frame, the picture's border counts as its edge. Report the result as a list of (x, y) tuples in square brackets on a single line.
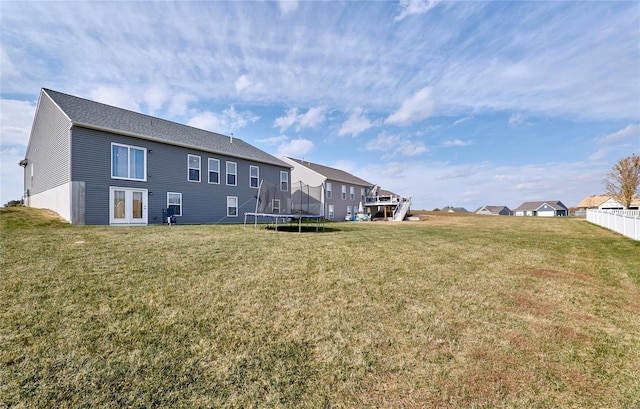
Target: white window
[(275, 205), (193, 168), (348, 210), (174, 202), (232, 206), (232, 172), (31, 184), (331, 212), (284, 181), (344, 192), (254, 175), (214, 171), (128, 162), (352, 193), (363, 193), (329, 187)]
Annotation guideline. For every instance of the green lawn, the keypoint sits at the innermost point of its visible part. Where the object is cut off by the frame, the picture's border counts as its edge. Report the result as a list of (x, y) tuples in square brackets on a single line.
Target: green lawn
[(450, 312)]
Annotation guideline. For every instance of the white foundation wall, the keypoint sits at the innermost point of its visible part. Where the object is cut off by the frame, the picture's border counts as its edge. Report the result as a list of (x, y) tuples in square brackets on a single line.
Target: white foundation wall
[(57, 199)]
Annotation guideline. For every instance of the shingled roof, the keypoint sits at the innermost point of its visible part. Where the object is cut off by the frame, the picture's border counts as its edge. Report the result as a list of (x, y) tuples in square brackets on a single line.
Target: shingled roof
[(530, 206), (332, 173), (90, 114)]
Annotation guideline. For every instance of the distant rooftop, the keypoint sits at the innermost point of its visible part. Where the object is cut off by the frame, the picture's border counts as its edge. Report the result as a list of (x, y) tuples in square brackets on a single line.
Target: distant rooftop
[(332, 173)]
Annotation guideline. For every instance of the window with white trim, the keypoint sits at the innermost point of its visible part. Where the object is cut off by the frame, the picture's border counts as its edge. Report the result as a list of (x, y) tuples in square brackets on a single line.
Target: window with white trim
[(344, 192), (232, 206), (331, 212), (174, 202), (329, 187), (348, 210), (275, 205), (128, 162), (254, 176), (214, 171), (363, 194), (352, 193), (232, 173), (193, 168), (284, 181)]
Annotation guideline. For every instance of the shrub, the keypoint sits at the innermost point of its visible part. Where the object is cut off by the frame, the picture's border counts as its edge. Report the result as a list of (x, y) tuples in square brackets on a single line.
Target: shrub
[(14, 203)]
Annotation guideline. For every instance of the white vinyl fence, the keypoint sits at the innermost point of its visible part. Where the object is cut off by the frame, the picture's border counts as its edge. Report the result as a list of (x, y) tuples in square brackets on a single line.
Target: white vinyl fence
[(625, 222)]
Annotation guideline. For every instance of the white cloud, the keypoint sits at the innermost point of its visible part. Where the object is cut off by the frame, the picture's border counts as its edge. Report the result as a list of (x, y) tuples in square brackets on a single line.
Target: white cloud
[(245, 85), (155, 97), (629, 132), (11, 174), (114, 96), (394, 145), (621, 140), (274, 140), (456, 143), (287, 6), (179, 103), (15, 121), (295, 148), (285, 122), (462, 120), (516, 120), (242, 83), (226, 122), (414, 7), (15, 128), (414, 109), (311, 119), (8, 68), (355, 124)]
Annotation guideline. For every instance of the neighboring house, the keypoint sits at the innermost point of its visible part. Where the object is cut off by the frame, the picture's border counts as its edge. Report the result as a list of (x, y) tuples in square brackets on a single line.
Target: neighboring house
[(548, 208), (451, 209), (97, 164), (603, 202), (386, 204), (343, 192), (494, 210)]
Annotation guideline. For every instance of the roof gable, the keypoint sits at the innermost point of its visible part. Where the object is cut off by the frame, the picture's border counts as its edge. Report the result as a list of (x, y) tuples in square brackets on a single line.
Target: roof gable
[(452, 209), (90, 114), (332, 173), (593, 201), (532, 206), (492, 209)]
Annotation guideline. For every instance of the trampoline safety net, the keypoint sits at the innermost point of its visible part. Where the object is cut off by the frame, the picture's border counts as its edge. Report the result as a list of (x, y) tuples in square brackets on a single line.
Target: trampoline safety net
[(303, 200), (307, 200)]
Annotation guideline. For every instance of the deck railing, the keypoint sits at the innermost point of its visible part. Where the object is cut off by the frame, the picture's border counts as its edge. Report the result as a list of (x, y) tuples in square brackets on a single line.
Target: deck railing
[(625, 222)]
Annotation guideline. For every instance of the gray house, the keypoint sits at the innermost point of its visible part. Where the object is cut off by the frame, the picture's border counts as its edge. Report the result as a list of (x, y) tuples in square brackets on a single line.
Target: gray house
[(494, 210), (97, 164), (451, 209), (344, 192), (545, 209)]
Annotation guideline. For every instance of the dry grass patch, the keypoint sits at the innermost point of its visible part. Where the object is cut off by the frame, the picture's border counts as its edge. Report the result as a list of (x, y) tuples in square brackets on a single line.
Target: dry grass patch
[(458, 312)]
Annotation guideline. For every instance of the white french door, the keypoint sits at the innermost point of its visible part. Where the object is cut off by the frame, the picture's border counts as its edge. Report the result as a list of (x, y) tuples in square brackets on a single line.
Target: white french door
[(127, 205)]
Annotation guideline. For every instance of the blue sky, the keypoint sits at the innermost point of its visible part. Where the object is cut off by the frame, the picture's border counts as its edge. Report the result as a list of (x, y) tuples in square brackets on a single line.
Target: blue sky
[(462, 103)]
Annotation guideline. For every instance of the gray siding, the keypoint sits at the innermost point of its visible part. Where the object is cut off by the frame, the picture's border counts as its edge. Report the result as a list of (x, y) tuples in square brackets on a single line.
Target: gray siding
[(202, 202), (340, 205), (48, 149)]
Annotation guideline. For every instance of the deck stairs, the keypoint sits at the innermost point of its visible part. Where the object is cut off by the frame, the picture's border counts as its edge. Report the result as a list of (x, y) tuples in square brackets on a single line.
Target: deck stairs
[(401, 209)]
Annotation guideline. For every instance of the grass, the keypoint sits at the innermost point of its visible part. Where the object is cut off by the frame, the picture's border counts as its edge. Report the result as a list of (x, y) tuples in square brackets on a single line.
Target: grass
[(477, 312)]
